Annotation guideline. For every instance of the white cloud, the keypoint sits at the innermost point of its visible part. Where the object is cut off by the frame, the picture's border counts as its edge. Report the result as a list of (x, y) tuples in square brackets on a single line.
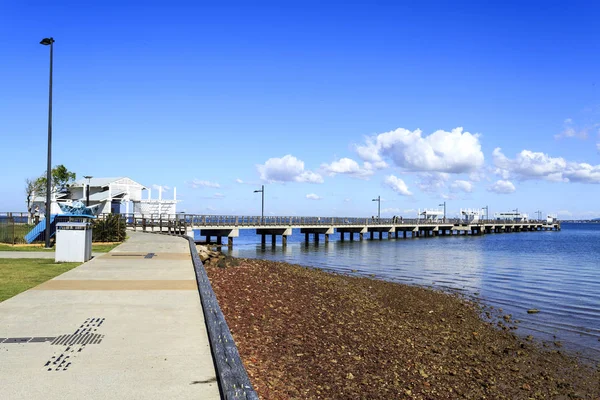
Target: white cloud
[(287, 169), (432, 181), (347, 200), (502, 187), (218, 195), (238, 180), (564, 213), (452, 152), (397, 185), (465, 186), (164, 187), (350, 167), (535, 165), (312, 196), (571, 131), (197, 183)]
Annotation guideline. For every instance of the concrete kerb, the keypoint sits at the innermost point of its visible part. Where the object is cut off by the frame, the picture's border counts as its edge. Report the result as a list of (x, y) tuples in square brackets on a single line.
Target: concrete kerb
[(232, 377)]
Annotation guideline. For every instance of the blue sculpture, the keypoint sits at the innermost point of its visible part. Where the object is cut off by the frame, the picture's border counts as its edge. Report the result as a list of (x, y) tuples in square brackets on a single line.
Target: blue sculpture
[(78, 208)]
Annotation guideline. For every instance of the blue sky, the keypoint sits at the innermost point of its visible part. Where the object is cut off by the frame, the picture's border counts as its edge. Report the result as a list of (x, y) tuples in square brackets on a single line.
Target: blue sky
[(329, 104)]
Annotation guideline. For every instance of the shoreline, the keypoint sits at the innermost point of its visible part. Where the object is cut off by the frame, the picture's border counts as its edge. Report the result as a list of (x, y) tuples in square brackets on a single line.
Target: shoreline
[(306, 333)]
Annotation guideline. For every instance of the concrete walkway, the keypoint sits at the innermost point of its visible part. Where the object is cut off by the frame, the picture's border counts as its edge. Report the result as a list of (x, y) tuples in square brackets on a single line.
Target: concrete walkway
[(125, 325)]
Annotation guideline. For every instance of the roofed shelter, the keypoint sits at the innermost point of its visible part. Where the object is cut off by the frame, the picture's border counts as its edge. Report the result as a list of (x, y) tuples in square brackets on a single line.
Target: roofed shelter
[(111, 196)]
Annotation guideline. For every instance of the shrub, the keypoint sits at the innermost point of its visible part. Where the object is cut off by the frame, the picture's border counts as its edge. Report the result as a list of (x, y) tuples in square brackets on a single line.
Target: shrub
[(109, 228)]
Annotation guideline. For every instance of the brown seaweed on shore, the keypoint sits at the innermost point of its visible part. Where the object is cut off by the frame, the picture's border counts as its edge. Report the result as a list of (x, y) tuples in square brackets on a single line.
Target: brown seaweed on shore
[(307, 334)]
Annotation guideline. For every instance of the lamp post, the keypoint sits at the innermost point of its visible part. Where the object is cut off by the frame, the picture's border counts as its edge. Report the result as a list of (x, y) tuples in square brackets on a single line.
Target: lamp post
[(444, 204), (87, 197), (49, 42), (516, 210), (378, 200), (262, 213)]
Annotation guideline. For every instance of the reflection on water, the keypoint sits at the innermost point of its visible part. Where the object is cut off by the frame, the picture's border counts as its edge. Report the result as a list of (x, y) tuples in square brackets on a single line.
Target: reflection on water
[(555, 272)]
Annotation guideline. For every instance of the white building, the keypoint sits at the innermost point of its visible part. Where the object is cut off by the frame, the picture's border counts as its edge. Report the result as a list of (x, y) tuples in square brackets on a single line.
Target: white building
[(470, 215), (431, 214), (111, 196), (512, 216)]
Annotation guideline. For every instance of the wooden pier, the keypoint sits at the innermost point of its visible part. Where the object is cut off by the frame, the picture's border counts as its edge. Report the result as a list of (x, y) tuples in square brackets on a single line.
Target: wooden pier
[(221, 226)]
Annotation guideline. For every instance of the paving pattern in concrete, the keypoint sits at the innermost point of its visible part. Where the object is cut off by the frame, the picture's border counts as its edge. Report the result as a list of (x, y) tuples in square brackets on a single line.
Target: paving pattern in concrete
[(126, 325)]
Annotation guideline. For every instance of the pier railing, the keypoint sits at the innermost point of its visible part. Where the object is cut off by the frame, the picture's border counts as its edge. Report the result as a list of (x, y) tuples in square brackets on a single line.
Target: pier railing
[(199, 221)]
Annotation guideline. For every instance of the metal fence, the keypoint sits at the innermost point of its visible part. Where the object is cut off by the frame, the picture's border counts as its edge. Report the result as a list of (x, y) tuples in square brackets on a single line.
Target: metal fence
[(13, 227), (176, 221)]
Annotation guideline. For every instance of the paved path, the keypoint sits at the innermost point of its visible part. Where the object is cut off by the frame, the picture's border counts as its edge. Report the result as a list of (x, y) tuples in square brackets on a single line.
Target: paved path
[(34, 254), (125, 325)]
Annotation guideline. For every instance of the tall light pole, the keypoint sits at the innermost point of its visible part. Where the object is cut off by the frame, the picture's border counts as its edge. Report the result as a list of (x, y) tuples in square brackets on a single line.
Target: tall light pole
[(49, 42), (516, 210), (539, 213), (378, 200), (87, 199), (262, 214), (444, 204)]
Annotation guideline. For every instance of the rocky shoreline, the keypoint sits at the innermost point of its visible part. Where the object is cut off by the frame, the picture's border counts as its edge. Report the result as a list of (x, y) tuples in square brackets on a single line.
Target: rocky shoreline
[(307, 334)]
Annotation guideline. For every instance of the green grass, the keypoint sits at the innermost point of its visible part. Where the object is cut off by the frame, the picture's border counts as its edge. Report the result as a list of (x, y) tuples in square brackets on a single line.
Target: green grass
[(96, 247), (18, 275), (103, 248)]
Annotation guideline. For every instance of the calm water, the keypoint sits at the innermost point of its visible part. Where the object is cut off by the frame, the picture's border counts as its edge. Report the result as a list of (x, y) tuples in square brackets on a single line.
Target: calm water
[(555, 272)]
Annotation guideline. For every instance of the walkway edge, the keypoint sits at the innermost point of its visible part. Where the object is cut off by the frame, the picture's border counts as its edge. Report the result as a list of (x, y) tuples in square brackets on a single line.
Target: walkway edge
[(232, 377)]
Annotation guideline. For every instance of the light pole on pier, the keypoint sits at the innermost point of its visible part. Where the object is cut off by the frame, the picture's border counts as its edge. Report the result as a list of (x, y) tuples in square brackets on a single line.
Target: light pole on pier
[(262, 213), (378, 200), (444, 204), (49, 42), (87, 197), (516, 210), (487, 212), (539, 214)]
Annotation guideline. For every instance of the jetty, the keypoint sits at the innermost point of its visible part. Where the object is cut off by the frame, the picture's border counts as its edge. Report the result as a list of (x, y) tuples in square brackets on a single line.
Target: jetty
[(229, 226)]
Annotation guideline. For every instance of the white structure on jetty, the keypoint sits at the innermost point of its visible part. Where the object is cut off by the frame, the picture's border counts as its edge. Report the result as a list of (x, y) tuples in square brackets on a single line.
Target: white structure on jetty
[(111, 196), (431, 214), (512, 216), (470, 215)]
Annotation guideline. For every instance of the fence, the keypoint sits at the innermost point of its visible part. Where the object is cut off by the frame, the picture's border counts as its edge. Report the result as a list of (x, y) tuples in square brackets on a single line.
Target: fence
[(13, 227)]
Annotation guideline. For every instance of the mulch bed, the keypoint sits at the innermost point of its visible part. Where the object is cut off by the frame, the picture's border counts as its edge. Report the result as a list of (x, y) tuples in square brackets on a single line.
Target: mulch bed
[(307, 334)]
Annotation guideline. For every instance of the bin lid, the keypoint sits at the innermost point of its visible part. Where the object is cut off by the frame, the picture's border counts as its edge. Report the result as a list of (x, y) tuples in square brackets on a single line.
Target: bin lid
[(73, 224)]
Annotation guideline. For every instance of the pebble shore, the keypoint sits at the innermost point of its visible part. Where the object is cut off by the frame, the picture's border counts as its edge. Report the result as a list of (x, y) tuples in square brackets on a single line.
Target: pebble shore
[(307, 334)]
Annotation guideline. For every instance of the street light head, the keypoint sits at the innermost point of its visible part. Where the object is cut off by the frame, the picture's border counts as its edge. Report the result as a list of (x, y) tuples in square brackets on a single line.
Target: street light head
[(88, 177), (257, 191), (47, 41)]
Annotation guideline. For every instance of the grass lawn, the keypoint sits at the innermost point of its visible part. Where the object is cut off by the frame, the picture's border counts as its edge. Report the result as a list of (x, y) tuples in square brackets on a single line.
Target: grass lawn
[(18, 275), (96, 247)]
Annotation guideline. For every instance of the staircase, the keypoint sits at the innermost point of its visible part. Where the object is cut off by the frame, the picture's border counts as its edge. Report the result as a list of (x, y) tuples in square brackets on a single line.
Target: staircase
[(37, 233)]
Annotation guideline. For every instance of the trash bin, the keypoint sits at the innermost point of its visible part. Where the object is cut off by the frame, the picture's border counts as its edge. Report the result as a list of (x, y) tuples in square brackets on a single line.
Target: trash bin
[(73, 242)]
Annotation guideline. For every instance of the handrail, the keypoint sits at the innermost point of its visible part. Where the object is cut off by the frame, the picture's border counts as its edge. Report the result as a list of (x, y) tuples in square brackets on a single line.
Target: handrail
[(233, 379), (199, 221)]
